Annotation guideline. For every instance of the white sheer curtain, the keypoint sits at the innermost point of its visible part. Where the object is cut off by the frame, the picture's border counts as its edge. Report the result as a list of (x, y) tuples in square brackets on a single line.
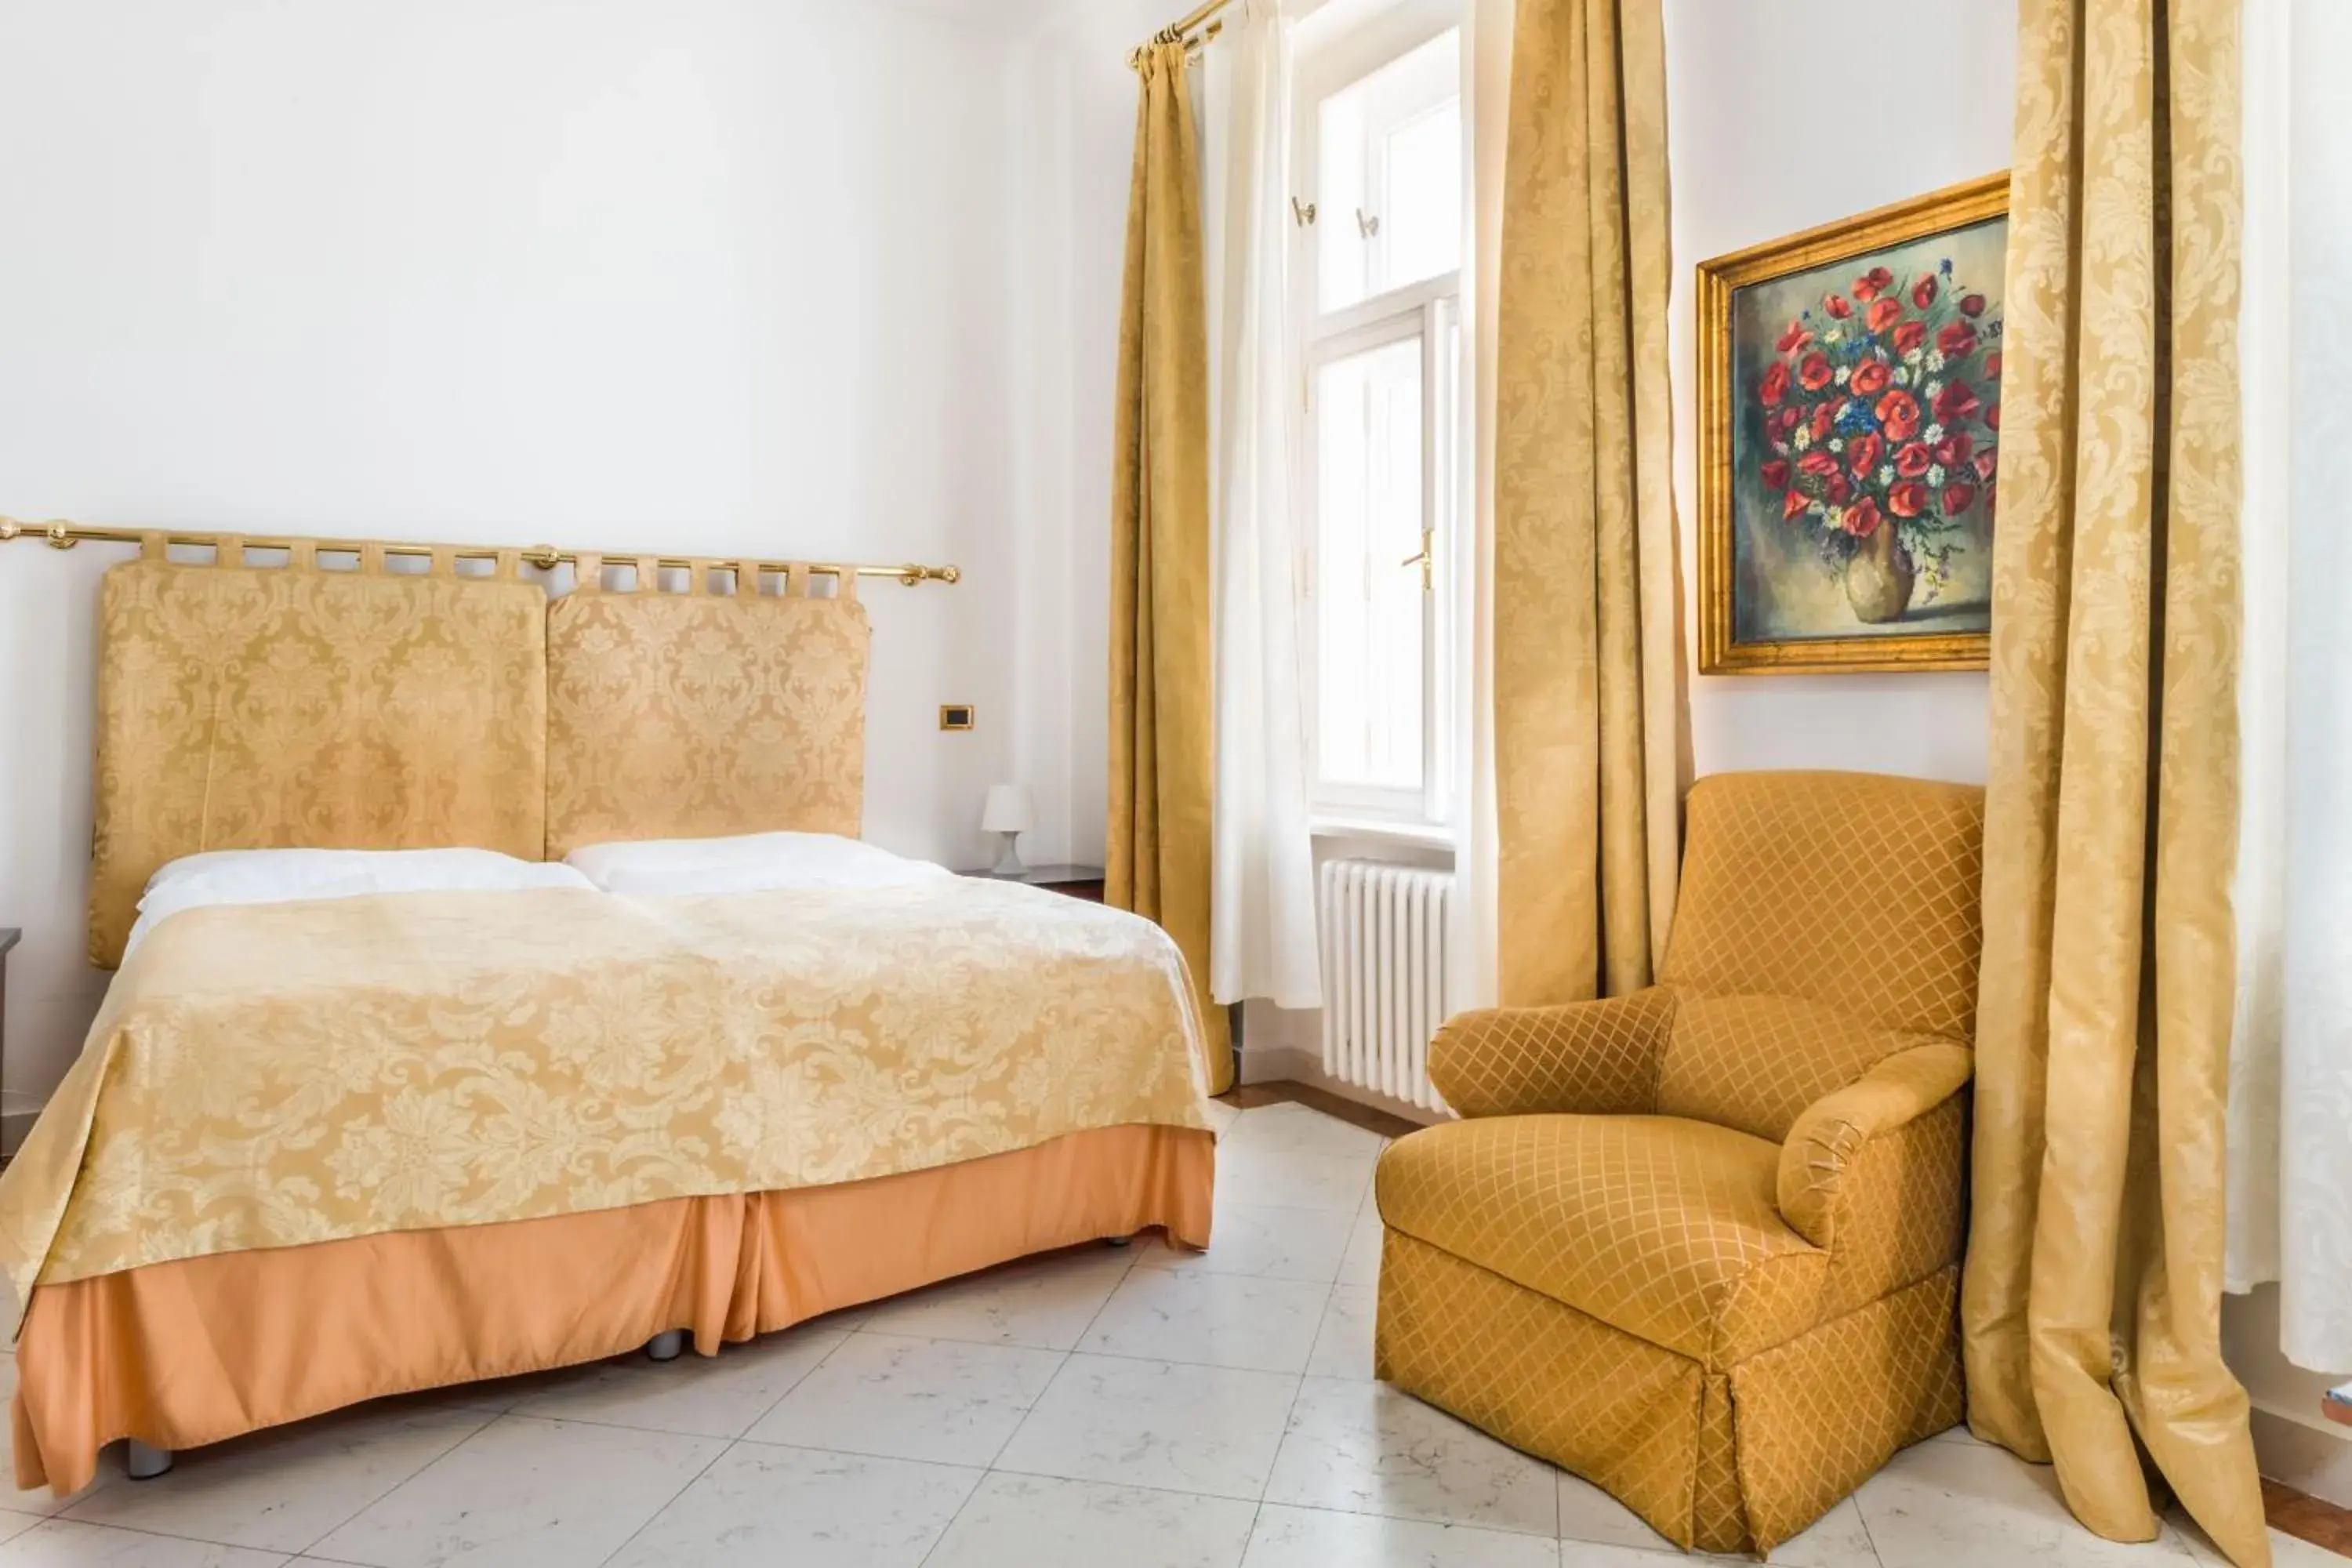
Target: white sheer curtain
[(2291, 1067), (1261, 941), (1487, 68)]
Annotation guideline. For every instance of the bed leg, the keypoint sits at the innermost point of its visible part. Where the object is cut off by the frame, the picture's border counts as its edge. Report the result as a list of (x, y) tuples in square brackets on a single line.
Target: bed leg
[(143, 1463), (667, 1346)]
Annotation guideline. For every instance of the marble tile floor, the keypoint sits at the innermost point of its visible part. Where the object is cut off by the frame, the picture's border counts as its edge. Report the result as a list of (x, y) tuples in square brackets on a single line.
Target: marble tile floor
[(1136, 1408)]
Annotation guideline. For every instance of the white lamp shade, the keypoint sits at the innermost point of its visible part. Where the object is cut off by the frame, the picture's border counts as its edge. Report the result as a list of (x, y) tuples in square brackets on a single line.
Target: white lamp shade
[(1009, 810)]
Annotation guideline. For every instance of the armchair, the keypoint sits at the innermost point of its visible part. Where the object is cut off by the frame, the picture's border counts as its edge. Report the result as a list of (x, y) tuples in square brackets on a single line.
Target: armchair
[(1701, 1243)]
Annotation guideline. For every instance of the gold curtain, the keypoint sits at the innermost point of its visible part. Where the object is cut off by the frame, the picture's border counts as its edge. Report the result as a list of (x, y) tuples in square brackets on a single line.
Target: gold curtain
[(1162, 730), (2092, 1302), (1587, 705)]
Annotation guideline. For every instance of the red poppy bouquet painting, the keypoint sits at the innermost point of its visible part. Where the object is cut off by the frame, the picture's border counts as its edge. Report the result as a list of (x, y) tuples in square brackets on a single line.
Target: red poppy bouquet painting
[(1852, 426)]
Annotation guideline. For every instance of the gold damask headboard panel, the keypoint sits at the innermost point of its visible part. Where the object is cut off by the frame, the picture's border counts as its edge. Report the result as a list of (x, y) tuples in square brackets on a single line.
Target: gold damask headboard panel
[(698, 715), (292, 707)]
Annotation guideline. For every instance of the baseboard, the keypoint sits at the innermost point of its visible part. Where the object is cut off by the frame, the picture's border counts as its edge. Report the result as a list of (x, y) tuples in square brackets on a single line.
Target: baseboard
[(13, 1125), (2309, 1458), (1289, 1064), (1274, 1064)]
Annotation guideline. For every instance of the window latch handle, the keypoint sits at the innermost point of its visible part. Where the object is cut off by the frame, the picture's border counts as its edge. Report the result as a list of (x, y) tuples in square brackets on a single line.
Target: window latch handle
[(1426, 560), (1303, 213)]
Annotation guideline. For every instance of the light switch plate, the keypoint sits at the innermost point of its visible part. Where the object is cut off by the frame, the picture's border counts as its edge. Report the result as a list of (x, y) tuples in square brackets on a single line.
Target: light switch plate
[(957, 716)]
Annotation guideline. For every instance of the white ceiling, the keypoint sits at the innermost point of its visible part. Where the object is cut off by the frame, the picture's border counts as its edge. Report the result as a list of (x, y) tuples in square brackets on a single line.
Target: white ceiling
[(1017, 16)]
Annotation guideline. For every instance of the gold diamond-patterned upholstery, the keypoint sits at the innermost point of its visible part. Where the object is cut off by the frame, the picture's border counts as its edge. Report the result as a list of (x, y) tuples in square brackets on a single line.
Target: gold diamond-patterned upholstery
[(1678, 1238), (1598, 1058), (1901, 1214), (1852, 889), (1819, 1416), (1701, 1243), (1542, 1376), (1757, 1063), (1815, 1182)]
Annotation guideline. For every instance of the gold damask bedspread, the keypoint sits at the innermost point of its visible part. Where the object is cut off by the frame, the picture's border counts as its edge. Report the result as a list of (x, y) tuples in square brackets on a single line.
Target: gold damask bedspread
[(270, 1075)]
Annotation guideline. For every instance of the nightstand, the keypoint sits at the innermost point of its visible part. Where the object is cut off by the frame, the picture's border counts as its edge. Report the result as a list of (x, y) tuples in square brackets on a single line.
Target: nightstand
[(1076, 881)]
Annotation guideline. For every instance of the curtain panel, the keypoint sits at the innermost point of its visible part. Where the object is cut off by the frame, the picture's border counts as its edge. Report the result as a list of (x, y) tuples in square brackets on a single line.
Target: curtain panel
[(1161, 719), (1588, 720), (2291, 1065), (1262, 940), (2092, 1299)]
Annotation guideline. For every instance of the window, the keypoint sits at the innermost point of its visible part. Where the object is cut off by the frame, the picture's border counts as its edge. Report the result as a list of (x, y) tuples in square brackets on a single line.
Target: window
[(1380, 221)]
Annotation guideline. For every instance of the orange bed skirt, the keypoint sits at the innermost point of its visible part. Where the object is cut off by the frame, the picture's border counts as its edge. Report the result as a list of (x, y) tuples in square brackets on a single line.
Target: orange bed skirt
[(182, 1354)]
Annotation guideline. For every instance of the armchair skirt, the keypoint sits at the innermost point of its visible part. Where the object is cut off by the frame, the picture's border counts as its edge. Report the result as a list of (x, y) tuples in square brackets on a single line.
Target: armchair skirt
[(1727, 1411)]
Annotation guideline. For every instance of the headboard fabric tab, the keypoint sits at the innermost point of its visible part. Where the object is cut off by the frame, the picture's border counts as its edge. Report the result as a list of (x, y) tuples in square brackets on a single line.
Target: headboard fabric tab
[(290, 708), (700, 715)]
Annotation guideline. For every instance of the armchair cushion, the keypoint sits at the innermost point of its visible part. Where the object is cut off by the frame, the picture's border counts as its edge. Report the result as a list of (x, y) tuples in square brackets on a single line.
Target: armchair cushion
[(1589, 1059), (1664, 1229), (1758, 1063), (1829, 1138)]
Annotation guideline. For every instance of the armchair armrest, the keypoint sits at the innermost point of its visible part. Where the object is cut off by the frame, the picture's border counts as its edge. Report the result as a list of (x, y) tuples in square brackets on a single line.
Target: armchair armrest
[(1831, 1132), (1594, 1058)]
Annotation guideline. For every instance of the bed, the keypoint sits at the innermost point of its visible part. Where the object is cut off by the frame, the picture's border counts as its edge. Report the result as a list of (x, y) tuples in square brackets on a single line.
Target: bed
[(315, 1153)]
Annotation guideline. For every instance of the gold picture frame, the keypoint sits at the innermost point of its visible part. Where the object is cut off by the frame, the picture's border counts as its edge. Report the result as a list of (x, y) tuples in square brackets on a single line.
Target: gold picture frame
[(1737, 637)]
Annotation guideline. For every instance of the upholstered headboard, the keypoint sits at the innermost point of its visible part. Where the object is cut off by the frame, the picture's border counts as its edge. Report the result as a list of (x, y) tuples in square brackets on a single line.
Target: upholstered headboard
[(243, 707), (292, 707), (694, 715)]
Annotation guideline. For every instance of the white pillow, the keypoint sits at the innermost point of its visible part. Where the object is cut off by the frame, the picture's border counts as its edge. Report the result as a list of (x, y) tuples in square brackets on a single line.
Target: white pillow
[(754, 863), (291, 876)]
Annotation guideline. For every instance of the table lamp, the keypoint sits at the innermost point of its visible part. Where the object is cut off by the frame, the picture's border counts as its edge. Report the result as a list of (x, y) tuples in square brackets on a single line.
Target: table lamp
[(1009, 813)]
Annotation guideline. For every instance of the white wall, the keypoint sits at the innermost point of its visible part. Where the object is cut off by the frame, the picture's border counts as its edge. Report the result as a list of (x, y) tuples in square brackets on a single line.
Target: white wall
[(703, 275), (1764, 143), (1080, 72)]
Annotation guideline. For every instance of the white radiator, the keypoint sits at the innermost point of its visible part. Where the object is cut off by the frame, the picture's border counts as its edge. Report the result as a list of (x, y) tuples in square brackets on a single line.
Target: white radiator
[(1386, 930)]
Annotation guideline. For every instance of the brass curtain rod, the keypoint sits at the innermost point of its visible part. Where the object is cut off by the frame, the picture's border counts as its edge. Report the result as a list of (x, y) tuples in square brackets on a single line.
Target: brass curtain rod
[(1184, 32), (63, 535)]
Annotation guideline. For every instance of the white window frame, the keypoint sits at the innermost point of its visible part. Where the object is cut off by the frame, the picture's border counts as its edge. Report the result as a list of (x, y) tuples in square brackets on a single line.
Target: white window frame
[(1352, 46)]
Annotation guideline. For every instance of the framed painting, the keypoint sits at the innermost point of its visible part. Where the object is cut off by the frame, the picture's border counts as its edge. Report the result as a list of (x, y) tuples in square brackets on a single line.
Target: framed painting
[(1849, 405)]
